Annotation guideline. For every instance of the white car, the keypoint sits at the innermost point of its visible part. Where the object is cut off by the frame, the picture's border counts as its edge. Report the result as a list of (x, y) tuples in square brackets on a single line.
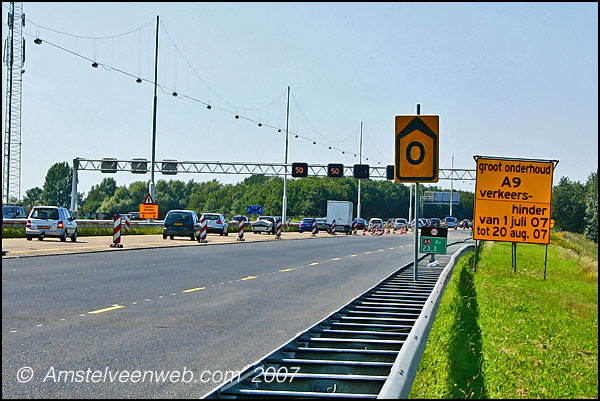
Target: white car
[(215, 223), (375, 222), (50, 221), (400, 223), (264, 224)]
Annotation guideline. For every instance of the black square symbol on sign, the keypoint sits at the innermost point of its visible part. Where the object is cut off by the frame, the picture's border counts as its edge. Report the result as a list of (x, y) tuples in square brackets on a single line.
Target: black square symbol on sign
[(361, 171)]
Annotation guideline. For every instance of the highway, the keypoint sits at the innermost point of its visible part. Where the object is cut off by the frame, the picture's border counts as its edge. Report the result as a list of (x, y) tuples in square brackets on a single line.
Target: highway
[(190, 312)]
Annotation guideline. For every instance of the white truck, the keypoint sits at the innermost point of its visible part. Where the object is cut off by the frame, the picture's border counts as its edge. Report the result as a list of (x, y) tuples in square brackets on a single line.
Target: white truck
[(342, 212)]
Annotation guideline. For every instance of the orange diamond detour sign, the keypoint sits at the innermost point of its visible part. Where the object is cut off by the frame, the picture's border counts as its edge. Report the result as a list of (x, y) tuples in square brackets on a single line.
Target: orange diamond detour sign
[(417, 148)]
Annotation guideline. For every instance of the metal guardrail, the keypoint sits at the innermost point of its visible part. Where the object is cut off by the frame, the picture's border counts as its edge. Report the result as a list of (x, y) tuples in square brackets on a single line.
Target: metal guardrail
[(369, 348), (402, 374)]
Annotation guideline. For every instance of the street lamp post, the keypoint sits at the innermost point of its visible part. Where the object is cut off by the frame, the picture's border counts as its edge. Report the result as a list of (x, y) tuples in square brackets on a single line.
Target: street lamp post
[(287, 124), (152, 185)]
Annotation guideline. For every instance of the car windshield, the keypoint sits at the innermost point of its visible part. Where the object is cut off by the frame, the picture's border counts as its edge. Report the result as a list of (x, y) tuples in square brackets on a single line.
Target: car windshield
[(307, 220), (321, 220), (211, 217), (45, 214), (179, 216)]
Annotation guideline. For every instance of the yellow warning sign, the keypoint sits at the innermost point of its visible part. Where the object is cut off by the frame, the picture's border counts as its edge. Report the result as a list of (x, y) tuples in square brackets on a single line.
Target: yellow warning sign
[(512, 200), (416, 148), (148, 211)]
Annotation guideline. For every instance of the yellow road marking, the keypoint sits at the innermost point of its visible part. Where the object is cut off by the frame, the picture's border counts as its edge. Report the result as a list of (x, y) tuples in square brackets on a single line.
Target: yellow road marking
[(286, 270), (195, 289), (106, 309), (335, 259), (368, 252), (380, 250), (391, 248), (314, 263), (352, 255), (249, 277)]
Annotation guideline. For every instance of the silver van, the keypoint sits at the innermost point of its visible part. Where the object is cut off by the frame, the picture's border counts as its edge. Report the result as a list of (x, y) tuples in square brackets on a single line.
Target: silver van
[(50, 221)]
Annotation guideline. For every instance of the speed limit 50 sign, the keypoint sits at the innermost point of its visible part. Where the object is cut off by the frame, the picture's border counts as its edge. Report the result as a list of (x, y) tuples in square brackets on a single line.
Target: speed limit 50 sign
[(417, 148)]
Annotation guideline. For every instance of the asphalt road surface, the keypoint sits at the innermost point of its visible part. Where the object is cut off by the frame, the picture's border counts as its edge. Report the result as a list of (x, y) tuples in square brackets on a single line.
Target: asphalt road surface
[(107, 324)]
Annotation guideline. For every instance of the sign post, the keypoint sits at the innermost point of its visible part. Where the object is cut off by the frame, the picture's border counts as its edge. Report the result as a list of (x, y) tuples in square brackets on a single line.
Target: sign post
[(416, 158)]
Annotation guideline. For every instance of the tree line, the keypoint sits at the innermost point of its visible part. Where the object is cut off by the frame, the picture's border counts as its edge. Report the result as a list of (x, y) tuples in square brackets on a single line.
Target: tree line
[(574, 205)]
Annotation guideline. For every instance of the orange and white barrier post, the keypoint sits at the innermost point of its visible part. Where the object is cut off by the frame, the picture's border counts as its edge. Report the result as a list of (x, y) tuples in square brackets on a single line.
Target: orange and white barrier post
[(278, 230), (315, 230)]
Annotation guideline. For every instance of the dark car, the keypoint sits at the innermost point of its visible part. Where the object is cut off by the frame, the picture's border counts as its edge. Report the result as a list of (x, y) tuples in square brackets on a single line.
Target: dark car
[(322, 224), (134, 215), (236, 219), (435, 222), (181, 223), (360, 223), (306, 224)]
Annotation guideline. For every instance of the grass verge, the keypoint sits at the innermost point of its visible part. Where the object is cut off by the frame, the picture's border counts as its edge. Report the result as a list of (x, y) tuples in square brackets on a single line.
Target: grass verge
[(498, 334)]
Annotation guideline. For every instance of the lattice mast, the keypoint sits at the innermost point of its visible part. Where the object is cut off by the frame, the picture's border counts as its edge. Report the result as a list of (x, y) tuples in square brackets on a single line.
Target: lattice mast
[(14, 59)]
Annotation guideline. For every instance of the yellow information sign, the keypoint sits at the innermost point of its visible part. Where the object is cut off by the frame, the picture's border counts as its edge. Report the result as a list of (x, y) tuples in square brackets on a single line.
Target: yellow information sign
[(416, 148), (512, 200), (148, 211)]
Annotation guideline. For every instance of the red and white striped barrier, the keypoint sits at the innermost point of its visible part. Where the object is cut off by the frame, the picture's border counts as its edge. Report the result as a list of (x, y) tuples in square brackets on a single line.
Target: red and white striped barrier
[(365, 229), (116, 232), (241, 231), (126, 222), (354, 227), (202, 236), (333, 227), (315, 230), (278, 230)]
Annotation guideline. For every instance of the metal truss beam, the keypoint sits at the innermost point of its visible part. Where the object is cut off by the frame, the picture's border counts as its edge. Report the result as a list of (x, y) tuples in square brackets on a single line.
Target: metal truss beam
[(243, 168)]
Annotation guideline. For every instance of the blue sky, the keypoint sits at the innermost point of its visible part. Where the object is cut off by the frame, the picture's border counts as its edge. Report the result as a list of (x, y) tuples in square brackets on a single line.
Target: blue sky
[(507, 79)]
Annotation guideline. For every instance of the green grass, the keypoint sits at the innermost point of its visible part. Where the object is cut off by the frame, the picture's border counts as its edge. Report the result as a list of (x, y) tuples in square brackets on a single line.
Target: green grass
[(498, 334)]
